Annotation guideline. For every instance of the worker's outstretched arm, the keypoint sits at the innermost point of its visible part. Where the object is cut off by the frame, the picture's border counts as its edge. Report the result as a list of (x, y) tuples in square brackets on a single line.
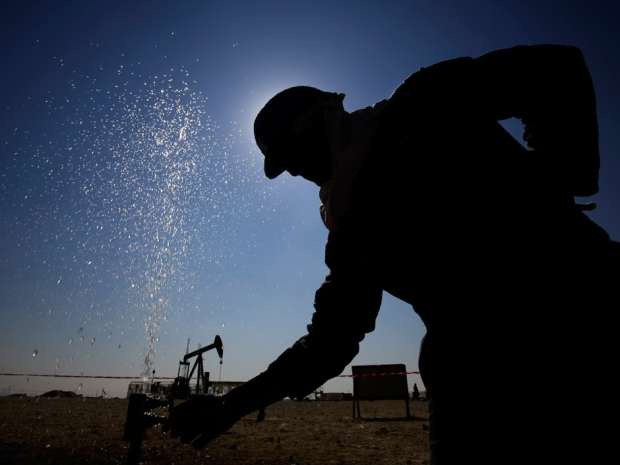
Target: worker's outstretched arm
[(550, 89), (346, 306)]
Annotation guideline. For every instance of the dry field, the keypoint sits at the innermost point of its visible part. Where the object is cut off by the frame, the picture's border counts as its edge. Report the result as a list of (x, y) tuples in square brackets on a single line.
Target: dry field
[(88, 431)]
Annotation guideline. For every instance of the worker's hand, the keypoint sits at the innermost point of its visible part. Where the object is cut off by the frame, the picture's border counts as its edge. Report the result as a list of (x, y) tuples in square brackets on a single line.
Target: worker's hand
[(535, 134), (199, 420)]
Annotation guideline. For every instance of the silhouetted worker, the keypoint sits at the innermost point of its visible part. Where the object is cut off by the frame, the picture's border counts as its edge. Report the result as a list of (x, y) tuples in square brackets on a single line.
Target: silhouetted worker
[(428, 198)]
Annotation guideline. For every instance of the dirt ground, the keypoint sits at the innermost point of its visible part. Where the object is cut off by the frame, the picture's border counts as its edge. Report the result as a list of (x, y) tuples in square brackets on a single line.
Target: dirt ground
[(89, 431)]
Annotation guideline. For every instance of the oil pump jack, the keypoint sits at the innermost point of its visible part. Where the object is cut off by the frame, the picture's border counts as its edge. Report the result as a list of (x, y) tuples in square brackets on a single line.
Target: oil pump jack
[(181, 387), (142, 405)]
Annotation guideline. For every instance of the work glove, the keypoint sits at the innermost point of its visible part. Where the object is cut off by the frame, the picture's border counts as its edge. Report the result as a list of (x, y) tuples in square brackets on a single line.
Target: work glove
[(199, 420)]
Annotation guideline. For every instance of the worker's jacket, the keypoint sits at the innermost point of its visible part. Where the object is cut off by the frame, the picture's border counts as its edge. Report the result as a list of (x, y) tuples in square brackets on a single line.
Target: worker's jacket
[(435, 203)]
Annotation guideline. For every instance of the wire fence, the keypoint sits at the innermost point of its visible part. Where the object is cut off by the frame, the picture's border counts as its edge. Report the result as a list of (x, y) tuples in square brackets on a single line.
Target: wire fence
[(90, 389), (56, 375)]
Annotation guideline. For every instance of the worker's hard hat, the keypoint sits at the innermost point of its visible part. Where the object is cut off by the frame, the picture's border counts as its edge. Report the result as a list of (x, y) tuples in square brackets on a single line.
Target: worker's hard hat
[(273, 123)]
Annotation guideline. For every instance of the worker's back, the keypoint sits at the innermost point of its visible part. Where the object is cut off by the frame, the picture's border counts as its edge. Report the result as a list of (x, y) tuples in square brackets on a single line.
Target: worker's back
[(467, 226)]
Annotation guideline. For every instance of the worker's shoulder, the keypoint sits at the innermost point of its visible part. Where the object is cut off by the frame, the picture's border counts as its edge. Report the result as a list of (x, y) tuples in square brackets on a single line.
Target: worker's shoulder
[(456, 74), (436, 75), (536, 50), (530, 57)]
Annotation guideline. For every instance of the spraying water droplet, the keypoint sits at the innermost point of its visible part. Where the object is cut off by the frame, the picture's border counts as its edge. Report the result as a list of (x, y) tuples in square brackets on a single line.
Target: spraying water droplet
[(35, 352), (158, 142)]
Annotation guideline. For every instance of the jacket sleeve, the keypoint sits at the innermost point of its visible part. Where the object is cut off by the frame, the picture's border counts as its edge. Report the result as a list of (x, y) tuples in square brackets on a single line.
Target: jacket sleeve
[(346, 306), (550, 89)]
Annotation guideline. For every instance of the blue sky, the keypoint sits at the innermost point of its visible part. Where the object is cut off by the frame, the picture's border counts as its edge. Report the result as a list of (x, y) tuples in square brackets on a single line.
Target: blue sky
[(130, 185)]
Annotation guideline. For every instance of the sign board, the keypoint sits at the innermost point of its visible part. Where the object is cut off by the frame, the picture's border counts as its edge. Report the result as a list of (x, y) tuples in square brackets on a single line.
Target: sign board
[(379, 382)]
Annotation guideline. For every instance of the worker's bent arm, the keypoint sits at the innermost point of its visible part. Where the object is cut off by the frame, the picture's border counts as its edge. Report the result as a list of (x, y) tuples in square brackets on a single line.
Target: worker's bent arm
[(550, 89), (346, 306)]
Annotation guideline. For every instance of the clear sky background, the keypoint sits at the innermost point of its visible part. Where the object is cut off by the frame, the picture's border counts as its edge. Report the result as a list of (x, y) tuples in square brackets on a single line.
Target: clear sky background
[(134, 211)]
